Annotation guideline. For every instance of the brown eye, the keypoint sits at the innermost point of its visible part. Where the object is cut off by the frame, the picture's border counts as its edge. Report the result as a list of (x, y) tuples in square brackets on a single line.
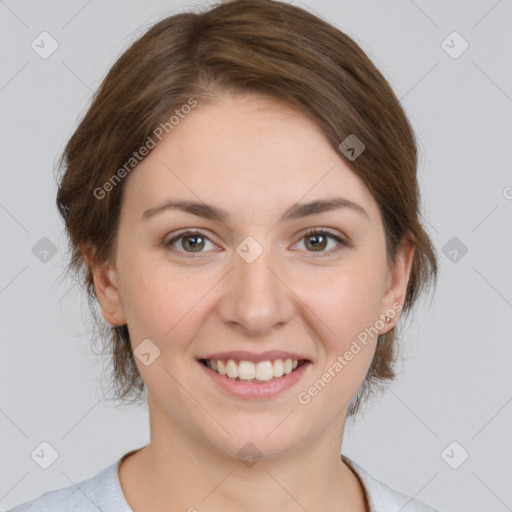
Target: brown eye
[(190, 242), (317, 240), (194, 242)]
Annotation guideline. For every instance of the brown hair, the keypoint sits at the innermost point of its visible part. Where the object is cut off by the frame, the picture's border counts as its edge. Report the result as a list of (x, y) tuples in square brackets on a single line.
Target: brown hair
[(242, 46)]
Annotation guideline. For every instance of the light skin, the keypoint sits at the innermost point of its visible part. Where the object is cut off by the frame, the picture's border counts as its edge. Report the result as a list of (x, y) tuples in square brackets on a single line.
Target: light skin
[(254, 158)]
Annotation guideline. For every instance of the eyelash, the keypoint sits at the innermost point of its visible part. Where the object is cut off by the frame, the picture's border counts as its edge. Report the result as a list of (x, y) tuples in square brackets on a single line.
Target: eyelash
[(309, 233)]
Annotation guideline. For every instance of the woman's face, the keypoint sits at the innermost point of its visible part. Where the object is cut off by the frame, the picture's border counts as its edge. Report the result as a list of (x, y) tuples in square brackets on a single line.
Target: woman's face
[(254, 281)]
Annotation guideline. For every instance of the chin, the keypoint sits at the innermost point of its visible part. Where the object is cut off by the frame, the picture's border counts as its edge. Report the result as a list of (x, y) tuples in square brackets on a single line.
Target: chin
[(252, 439)]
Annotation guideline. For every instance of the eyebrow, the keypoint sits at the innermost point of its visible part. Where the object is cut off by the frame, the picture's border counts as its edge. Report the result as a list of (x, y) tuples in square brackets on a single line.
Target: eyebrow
[(297, 211)]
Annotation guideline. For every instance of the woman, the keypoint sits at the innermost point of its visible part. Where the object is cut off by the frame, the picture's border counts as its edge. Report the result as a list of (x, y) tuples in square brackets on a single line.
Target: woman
[(242, 197)]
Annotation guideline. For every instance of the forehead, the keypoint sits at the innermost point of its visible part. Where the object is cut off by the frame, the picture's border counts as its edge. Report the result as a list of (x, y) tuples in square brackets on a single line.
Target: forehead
[(245, 152)]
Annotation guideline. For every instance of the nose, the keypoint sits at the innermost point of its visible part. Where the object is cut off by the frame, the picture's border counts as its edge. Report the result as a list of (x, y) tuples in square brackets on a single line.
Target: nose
[(255, 296)]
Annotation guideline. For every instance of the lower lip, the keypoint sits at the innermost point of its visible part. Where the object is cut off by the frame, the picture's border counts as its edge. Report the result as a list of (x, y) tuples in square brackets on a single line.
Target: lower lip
[(256, 390)]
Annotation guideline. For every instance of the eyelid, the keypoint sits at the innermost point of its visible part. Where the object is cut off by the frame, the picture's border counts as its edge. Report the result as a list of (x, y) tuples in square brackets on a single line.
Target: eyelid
[(342, 241), (184, 233), (336, 236)]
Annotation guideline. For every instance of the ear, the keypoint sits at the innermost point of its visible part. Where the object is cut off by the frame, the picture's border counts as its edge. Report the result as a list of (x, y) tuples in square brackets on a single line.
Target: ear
[(396, 282), (106, 287)]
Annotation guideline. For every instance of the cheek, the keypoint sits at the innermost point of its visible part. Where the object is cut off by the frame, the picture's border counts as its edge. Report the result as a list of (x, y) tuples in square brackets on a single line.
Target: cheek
[(346, 312), (163, 303), (151, 300), (346, 300)]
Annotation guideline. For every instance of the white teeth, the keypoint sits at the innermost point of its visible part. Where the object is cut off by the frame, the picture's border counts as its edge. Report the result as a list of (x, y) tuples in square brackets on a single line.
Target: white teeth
[(264, 370), (220, 368), (278, 368), (247, 370), (232, 369)]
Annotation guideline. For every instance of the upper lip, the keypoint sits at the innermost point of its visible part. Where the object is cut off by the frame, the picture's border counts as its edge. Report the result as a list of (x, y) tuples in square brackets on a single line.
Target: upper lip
[(244, 355)]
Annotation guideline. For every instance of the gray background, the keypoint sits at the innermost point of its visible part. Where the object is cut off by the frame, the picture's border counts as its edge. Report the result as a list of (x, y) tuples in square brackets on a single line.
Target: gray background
[(455, 382)]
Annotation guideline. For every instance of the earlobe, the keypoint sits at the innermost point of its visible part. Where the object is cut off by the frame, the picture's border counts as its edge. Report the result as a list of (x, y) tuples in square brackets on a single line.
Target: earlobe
[(106, 287)]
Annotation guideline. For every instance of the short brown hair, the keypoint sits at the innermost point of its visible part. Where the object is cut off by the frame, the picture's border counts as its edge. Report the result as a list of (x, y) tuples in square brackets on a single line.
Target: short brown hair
[(265, 47)]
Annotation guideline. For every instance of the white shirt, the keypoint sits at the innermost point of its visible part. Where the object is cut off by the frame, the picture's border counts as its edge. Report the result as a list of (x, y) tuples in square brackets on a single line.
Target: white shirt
[(103, 493)]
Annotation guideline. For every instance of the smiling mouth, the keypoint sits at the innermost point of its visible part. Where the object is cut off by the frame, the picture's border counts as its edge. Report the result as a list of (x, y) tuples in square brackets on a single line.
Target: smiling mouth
[(248, 371)]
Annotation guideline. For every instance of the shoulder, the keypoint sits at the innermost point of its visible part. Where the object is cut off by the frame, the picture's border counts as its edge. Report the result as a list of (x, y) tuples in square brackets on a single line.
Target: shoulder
[(383, 498), (99, 492)]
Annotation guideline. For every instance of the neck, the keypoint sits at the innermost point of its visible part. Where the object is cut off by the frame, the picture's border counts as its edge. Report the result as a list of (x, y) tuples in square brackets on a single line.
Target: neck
[(178, 471)]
